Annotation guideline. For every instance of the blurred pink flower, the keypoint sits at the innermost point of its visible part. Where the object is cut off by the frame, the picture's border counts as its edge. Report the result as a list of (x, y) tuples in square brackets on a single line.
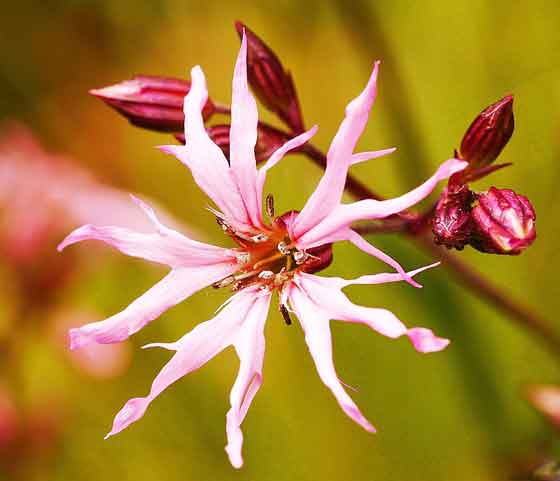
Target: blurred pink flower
[(100, 361), (42, 195), (279, 255)]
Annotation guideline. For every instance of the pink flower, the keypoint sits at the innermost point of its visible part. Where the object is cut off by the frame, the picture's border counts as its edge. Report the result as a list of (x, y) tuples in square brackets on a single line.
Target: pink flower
[(275, 255)]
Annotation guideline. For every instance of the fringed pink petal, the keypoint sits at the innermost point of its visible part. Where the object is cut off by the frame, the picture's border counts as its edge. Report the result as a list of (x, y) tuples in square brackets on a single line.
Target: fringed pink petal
[(424, 340), (336, 305), (363, 156), (364, 245), (249, 344), (328, 193), (193, 350), (243, 136), (204, 158), (165, 246), (315, 324), (345, 214), (179, 284), (326, 293)]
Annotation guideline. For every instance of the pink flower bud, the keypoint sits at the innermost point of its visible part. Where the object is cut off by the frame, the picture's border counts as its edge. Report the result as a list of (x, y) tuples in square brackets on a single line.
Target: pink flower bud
[(451, 223), (271, 83), (154, 103), (488, 134), (546, 400), (504, 222), (269, 139)]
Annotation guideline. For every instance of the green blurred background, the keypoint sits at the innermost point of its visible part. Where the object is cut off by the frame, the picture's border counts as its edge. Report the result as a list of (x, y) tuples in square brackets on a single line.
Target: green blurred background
[(457, 415)]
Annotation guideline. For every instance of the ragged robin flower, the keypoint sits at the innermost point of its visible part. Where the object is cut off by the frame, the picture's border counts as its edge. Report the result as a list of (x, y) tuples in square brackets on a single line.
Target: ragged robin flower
[(274, 254)]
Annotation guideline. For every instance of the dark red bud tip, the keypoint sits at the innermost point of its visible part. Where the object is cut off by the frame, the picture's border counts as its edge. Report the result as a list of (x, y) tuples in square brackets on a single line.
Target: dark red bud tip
[(504, 222), (269, 139), (451, 223), (488, 134), (154, 103), (271, 83)]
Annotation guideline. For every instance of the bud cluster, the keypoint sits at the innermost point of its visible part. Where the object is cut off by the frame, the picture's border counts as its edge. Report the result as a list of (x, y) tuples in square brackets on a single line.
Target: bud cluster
[(498, 221)]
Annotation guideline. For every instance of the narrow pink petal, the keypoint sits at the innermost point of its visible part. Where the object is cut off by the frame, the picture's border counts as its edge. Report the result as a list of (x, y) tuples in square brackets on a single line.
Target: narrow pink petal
[(336, 305), (345, 214), (249, 345), (326, 293), (364, 245), (204, 158), (243, 136), (193, 351), (363, 156), (384, 278), (328, 193), (179, 284), (315, 324), (165, 246), (277, 157), (424, 340)]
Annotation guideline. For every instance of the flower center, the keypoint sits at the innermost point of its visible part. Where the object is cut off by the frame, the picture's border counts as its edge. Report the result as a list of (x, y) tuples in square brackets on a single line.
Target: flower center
[(268, 257)]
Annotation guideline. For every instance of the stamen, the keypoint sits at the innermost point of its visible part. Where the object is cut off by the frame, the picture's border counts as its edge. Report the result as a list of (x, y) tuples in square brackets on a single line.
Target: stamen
[(300, 257), (266, 275), (226, 281), (283, 248), (267, 260), (270, 206), (223, 224), (259, 238), (285, 314), (242, 257)]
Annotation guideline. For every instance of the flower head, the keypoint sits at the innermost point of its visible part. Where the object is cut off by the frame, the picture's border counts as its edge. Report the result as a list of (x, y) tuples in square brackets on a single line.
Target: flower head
[(274, 254)]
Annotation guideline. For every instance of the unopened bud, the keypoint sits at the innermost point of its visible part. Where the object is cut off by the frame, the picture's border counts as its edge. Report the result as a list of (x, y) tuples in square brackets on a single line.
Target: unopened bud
[(503, 222), (272, 84), (154, 103), (451, 223), (488, 134), (269, 139)]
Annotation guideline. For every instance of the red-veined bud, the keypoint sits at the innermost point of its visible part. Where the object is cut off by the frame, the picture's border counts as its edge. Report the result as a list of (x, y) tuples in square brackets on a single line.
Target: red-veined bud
[(488, 134), (503, 222), (269, 139), (451, 223), (154, 103), (272, 84)]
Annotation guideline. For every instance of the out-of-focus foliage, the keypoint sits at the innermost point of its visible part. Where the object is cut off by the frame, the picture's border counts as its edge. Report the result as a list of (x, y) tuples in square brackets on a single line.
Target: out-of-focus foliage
[(456, 415)]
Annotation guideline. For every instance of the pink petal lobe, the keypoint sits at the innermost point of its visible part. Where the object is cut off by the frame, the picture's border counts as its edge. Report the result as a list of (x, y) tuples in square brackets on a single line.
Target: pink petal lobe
[(336, 305), (316, 327), (424, 340), (328, 193), (165, 246), (204, 158), (345, 214), (250, 345), (193, 351), (277, 157), (179, 284), (363, 156), (243, 136)]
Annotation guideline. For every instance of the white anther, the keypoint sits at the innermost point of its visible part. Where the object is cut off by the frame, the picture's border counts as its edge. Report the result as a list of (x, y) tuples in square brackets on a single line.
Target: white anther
[(300, 257), (283, 248), (224, 282), (259, 238), (266, 275), (242, 257)]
